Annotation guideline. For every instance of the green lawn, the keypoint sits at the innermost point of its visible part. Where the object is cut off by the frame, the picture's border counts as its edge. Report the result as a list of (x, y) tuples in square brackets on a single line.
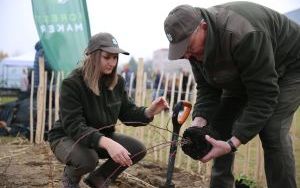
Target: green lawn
[(4, 100)]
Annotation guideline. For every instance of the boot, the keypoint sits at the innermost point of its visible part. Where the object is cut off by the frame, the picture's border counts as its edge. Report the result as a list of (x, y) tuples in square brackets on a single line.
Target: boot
[(69, 181), (96, 181)]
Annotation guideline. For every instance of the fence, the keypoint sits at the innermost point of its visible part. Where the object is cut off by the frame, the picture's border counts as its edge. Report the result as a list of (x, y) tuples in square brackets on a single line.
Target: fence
[(249, 158)]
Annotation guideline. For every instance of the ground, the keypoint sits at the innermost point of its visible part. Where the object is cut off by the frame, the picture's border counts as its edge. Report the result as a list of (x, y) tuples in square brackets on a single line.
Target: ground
[(25, 165)]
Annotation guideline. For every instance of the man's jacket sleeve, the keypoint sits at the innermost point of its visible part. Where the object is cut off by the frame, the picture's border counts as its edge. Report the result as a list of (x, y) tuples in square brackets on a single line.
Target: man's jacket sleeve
[(208, 97), (255, 60)]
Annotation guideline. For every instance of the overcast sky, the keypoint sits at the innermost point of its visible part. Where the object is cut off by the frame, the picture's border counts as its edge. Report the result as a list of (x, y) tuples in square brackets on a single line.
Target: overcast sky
[(136, 24)]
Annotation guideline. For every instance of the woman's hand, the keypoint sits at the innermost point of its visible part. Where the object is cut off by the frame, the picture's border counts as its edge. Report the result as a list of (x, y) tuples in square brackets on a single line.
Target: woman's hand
[(156, 107), (116, 151)]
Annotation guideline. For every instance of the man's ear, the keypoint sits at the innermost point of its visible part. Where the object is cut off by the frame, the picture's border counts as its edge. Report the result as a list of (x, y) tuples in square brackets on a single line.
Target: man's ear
[(203, 25)]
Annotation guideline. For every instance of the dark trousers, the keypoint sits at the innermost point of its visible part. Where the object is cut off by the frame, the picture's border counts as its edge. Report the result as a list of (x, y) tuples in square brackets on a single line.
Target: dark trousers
[(276, 141), (81, 160)]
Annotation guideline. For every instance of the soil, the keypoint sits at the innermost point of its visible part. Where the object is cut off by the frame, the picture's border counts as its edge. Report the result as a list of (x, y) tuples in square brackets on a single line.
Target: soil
[(27, 165)]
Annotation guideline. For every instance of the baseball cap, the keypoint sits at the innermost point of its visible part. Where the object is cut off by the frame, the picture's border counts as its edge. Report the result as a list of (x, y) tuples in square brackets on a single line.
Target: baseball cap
[(105, 42), (179, 25)]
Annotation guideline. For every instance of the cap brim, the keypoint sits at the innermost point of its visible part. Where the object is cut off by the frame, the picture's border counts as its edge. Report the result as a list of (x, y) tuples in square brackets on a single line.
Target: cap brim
[(177, 50), (114, 50)]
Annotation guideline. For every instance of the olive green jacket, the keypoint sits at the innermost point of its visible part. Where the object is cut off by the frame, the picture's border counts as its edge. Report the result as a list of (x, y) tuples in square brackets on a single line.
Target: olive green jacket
[(248, 49), (82, 112)]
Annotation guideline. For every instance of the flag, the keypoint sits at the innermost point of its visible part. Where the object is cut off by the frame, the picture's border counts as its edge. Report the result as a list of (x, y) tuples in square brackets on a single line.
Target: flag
[(64, 30)]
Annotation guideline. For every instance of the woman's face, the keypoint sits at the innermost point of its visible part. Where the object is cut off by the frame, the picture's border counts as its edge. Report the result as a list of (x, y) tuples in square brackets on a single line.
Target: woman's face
[(108, 62)]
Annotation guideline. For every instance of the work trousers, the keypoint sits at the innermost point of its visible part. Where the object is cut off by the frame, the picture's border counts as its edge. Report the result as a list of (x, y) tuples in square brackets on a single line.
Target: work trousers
[(276, 141), (80, 160)]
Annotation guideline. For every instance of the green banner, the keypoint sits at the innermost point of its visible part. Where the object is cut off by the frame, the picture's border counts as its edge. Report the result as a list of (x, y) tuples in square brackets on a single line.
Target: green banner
[(64, 31)]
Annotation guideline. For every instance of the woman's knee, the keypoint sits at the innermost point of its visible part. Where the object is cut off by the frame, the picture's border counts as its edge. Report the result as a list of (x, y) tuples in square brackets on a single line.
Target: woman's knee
[(135, 147), (138, 152), (83, 159), (141, 152), (88, 162)]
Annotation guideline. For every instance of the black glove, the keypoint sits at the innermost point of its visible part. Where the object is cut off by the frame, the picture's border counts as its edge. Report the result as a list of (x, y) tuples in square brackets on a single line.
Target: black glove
[(194, 143)]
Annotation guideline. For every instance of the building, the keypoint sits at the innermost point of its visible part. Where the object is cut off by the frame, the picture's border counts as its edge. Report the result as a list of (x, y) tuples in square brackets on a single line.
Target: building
[(160, 62), (294, 15)]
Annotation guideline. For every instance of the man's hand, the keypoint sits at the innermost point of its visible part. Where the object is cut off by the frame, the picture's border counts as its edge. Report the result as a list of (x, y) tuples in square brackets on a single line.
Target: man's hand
[(194, 143), (116, 151), (156, 107), (199, 122), (219, 148)]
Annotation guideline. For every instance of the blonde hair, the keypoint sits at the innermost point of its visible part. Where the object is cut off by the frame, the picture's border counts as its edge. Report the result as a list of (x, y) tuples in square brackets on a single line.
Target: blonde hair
[(92, 74)]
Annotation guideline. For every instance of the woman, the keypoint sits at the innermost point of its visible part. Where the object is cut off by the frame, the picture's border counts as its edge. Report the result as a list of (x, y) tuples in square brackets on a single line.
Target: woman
[(92, 99)]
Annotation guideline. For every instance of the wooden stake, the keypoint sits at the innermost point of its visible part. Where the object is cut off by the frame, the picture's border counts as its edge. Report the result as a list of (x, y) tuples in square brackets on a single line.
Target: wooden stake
[(50, 102), (44, 106), (159, 84), (131, 84), (31, 107), (57, 96), (139, 82), (40, 101)]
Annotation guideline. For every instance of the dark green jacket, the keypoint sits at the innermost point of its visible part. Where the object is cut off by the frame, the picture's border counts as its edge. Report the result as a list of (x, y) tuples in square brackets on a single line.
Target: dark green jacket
[(82, 112), (248, 49)]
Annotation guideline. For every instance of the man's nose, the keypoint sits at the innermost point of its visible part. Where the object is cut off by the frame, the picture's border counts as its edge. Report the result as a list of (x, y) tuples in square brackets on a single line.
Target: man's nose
[(187, 55)]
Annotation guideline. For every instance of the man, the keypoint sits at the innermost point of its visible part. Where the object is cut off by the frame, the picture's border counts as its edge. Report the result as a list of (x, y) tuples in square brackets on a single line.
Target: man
[(246, 62)]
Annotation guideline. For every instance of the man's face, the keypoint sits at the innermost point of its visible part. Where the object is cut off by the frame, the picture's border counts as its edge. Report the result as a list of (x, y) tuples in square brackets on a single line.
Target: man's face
[(196, 44)]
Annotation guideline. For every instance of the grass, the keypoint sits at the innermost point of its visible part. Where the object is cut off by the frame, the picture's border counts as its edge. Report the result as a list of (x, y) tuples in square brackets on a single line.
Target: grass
[(4, 100)]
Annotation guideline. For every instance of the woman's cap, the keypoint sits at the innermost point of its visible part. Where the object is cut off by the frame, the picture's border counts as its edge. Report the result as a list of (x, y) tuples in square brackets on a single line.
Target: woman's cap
[(179, 25), (105, 42)]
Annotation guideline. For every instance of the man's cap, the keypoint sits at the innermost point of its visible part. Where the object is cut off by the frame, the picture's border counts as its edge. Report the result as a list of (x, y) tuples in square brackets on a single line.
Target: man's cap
[(105, 42), (179, 25)]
